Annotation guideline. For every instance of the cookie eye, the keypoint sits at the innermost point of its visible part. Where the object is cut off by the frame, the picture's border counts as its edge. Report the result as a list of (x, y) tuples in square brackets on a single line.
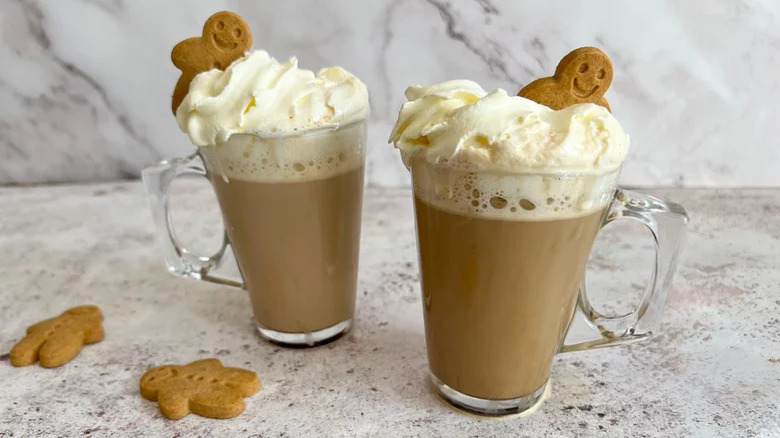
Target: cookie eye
[(237, 33), (583, 68), (601, 74), (220, 25), (217, 65)]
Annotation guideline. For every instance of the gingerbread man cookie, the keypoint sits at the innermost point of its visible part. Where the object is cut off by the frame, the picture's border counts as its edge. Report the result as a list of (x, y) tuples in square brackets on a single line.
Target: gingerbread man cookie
[(57, 340), (582, 76), (226, 37), (204, 387)]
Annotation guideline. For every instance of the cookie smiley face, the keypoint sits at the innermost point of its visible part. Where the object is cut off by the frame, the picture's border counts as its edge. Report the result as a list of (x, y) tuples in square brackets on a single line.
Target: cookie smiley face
[(226, 31), (582, 76), (587, 71), (225, 38)]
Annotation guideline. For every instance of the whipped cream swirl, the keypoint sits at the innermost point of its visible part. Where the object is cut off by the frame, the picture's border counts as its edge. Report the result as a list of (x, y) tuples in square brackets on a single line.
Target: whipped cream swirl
[(462, 124), (259, 95)]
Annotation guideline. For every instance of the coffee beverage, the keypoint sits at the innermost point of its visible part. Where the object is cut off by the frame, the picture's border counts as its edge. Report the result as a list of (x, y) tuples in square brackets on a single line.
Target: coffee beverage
[(509, 196), (500, 270), (292, 210), (492, 332), (284, 148), (308, 228)]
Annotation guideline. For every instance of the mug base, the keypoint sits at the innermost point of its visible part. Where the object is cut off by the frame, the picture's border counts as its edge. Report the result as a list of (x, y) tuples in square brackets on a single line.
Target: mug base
[(304, 340), (487, 407)]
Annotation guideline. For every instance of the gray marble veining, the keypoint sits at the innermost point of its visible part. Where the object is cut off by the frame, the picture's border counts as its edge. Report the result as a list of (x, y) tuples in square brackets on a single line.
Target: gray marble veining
[(714, 372), (85, 84)]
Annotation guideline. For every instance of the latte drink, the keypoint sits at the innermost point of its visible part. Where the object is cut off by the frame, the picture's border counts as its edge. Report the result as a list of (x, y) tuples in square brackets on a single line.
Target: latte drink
[(284, 148), (509, 196), (292, 207), (500, 271)]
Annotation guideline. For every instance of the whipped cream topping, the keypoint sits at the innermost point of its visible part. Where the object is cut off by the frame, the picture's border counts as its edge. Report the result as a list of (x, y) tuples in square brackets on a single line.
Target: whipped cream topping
[(259, 95), (459, 123)]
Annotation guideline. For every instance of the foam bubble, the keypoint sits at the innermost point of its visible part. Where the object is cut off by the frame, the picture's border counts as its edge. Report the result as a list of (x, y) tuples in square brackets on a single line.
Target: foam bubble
[(512, 197), (297, 158)]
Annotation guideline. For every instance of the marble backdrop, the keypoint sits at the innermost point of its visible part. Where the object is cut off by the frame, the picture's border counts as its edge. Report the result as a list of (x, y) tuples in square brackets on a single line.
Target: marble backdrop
[(85, 84)]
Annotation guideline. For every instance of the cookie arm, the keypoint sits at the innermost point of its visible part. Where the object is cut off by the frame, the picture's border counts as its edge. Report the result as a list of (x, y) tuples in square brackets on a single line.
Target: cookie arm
[(186, 57), (89, 310), (204, 364), (544, 91), (181, 90), (43, 325), (156, 378), (185, 53), (93, 330)]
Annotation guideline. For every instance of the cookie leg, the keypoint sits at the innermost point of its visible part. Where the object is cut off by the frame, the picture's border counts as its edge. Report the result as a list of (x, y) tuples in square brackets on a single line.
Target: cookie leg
[(26, 351), (61, 346), (88, 310), (244, 381), (174, 404), (217, 401), (547, 92)]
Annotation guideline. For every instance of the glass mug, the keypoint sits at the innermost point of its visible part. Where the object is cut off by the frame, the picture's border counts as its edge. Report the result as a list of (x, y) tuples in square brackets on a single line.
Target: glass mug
[(502, 263), (291, 207)]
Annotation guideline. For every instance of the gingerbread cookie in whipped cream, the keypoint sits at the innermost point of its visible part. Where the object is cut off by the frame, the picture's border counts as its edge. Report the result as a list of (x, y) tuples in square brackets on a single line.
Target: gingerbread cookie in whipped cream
[(582, 76), (225, 38), (284, 148), (509, 194)]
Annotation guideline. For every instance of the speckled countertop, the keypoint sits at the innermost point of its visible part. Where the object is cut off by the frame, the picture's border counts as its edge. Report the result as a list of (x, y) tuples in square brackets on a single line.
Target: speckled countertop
[(715, 371)]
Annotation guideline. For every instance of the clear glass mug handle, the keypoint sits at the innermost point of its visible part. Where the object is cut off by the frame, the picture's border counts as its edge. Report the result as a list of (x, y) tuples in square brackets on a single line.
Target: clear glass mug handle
[(178, 259), (666, 222)]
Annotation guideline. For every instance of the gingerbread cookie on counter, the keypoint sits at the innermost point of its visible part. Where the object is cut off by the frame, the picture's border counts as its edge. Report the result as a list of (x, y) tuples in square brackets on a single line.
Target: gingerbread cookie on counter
[(54, 341), (203, 387)]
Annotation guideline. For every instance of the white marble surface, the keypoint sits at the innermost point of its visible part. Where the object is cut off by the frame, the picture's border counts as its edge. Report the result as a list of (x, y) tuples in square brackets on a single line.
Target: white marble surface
[(714, 372), (84, 84)]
